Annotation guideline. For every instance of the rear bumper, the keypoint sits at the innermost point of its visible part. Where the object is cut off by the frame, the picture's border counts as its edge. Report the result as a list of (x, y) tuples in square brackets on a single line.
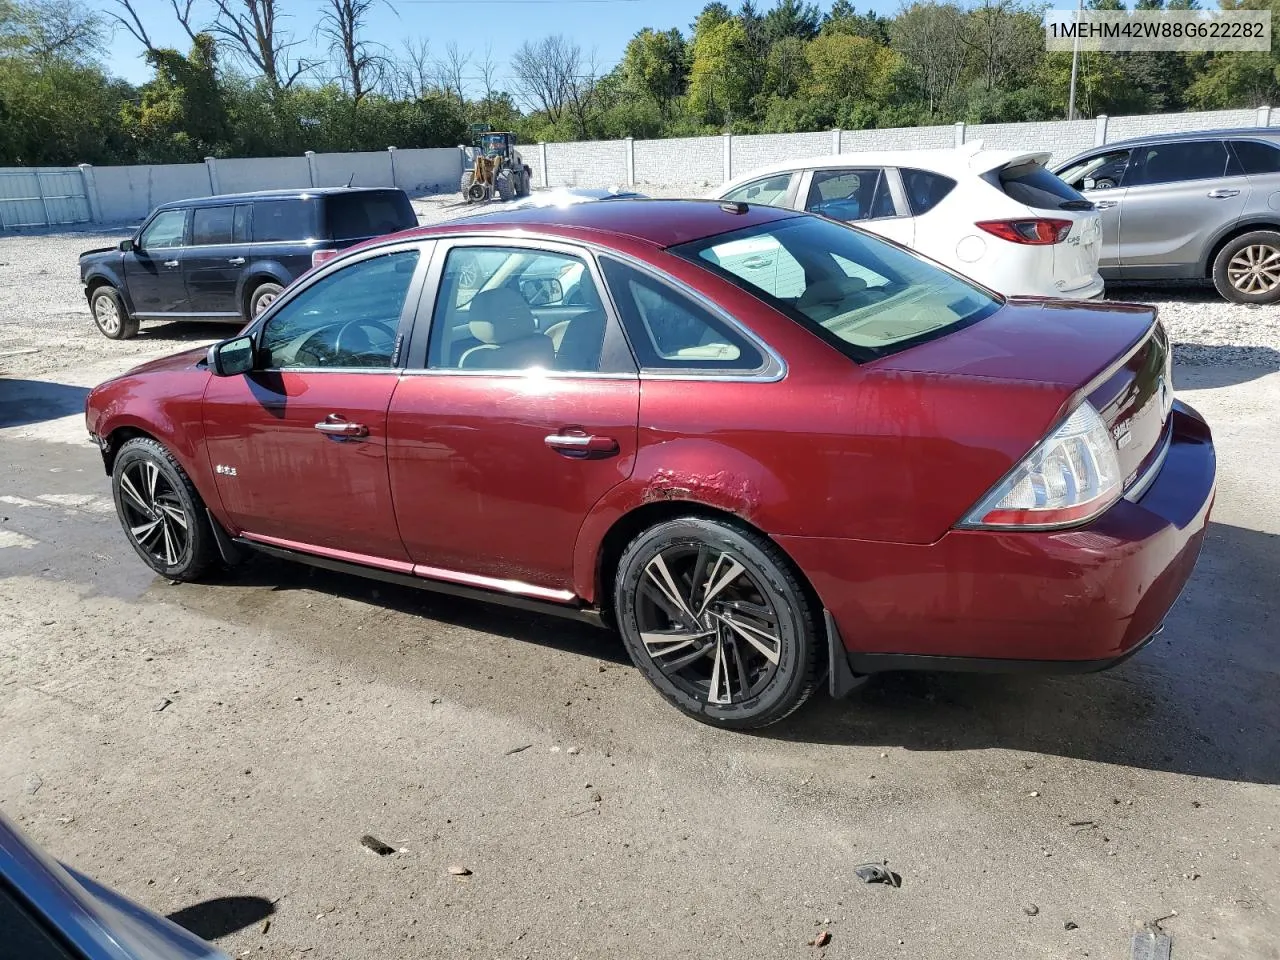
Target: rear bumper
[(1071, 601)]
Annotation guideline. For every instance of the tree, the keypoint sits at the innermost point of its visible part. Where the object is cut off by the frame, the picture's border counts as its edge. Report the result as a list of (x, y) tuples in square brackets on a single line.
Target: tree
[(653, 66), (719, 87), (1003, 39), (451, 71), (126, 15), (843, 17), (788, 67), (712, 15), (182, 115), (51, 29), (791, 18), (250, 29), (360, 63), (547, 72), (410, 73), (928, 37)]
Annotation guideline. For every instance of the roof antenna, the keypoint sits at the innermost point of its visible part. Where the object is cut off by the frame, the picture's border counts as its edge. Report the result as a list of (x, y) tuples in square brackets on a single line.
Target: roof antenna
[(351, 179)]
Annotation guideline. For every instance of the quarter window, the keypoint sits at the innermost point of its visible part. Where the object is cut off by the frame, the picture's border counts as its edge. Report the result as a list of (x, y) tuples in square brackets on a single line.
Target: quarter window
[(167, 230), (771, 191), (514, 308), (350, 318), (669, 331), (925, 190), (210, 225), (850, 195), (1256, 157), (1178, 162), (1102, 171)]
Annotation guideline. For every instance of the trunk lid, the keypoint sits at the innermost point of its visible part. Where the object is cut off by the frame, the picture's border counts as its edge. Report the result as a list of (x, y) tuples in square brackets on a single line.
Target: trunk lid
[(1115, 355)]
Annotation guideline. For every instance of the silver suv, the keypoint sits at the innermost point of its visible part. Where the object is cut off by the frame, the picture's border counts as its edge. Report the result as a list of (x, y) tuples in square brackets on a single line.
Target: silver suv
[(1196, 205)]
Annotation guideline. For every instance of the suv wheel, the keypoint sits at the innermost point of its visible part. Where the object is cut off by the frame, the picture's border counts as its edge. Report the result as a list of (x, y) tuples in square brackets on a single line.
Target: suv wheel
[(110, 315), (262, 297), (714, 618), (1247, 270), (161, 512)]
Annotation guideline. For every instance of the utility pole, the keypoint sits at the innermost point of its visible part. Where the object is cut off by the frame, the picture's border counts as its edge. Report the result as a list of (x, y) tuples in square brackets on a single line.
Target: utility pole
[(1075, 63)]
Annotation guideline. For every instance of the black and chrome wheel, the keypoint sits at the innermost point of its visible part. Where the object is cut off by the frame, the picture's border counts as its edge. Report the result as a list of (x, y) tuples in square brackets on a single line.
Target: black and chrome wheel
[(161, 512), (1247, 270), (716, 620), (110, 316)]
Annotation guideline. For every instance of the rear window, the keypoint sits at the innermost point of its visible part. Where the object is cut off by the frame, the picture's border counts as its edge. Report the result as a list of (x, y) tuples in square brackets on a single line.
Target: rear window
[(925, 190), (1256, 157), (356, 216), (284, 220), (863, 295), (1038, 188)]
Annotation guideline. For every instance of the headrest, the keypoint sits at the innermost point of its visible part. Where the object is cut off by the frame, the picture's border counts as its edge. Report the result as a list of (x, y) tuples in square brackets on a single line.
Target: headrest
[(500, 316)]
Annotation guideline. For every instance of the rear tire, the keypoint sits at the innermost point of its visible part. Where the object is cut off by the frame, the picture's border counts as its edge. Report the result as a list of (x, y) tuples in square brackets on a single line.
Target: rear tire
[(162, 514), (110, 315), (713, 616), (526, 182), (261, 297), (1247, 269), (503, 187)]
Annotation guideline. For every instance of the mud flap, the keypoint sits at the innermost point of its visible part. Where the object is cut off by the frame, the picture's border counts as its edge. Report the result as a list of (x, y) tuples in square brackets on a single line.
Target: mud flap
[(840, 678), (231, 554)]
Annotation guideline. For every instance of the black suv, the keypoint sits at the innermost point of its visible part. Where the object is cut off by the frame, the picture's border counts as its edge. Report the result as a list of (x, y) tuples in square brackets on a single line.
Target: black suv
[(227, 257)]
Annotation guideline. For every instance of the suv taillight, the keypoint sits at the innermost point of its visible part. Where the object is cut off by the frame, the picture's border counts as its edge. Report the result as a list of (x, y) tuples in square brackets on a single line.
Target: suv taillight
[(322, 256), (1037, 231)]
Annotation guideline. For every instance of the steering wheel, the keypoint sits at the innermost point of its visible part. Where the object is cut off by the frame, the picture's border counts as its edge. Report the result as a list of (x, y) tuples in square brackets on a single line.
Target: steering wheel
[(357, 338)]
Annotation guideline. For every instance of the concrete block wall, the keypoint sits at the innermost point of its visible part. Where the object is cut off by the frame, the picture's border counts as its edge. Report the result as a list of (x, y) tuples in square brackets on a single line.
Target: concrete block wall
[(361, 169), (1122, 128), (1063, 138), (261, 173), (429, 170), (898, 138), (751, 152), (680, 160), (597, 163), (129, 193)]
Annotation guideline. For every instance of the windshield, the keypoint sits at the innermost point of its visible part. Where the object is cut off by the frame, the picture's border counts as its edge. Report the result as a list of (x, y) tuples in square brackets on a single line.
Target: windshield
[(867, 297)]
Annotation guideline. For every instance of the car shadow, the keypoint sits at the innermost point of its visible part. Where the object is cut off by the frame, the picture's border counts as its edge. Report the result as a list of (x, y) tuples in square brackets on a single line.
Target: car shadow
[(24, 402), (188, 331), (1202, 700), (562, 633), (1223, 366), (222, 916)]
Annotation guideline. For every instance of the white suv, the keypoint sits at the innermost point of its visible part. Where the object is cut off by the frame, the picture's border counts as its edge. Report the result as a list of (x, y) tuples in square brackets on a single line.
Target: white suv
[(996, 216)]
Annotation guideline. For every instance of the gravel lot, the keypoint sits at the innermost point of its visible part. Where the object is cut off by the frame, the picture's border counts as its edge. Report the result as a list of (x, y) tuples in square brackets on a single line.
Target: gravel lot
[(217, 750)]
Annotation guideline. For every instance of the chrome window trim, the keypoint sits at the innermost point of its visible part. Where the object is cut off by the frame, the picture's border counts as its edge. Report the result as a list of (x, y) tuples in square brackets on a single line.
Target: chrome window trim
[(1144, 482), (773, 369), (539, 373)]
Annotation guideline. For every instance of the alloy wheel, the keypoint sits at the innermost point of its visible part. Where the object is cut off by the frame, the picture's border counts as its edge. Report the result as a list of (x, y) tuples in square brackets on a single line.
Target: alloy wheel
[(1255, 269), (153, 513), (262, 301), (107, 314), (707, 624)]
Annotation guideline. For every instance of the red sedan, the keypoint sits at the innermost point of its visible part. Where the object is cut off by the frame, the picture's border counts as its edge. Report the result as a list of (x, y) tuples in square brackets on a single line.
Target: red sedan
[(770, 448)]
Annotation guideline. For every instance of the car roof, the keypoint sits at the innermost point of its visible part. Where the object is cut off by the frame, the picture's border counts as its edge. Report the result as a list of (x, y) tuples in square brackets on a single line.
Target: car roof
[(1264, 133), (663, 223), (297, 193), (974, 156)]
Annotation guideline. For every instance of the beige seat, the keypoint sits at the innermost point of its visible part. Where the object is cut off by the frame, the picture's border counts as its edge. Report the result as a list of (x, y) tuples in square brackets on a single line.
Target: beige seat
[(508, 334)]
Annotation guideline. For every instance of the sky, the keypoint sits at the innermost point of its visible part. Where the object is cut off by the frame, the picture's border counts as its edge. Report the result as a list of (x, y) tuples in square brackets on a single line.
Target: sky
[(605, 25)]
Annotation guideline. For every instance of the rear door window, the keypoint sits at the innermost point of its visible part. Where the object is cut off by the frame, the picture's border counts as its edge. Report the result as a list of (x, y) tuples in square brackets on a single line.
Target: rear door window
[(1039, 189), (211, 225), (850, 195), (1178, 162), (1256, 157), (284, 220), (357, 216), (925, 189)]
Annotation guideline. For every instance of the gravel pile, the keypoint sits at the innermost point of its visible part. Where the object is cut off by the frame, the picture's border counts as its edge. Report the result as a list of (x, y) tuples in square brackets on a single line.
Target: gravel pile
[(45, 327)]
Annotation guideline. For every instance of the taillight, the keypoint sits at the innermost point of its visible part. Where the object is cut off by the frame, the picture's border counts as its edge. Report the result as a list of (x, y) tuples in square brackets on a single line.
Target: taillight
[(1071, 476), (322, 256), (1038, 231)]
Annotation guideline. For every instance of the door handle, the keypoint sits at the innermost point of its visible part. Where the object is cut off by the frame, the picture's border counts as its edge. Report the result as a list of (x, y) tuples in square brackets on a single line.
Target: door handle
[(339, 427), (171, 263), (1105, 204), (1222, 193), (236, 261), (581, 444)]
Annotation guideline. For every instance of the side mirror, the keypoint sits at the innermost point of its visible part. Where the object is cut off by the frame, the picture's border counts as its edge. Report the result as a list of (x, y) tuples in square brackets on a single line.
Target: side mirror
[(231, 357), (539, 293), (126, 245)]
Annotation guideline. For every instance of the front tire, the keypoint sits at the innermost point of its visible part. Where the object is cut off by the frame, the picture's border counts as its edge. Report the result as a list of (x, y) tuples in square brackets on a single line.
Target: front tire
[(110, 315), (503, 187), (1247, 270), (714, 618), (161, 512)]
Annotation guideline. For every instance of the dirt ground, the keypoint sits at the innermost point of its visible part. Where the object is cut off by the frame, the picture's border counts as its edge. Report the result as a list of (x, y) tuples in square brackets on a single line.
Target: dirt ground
[(218, 751)]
